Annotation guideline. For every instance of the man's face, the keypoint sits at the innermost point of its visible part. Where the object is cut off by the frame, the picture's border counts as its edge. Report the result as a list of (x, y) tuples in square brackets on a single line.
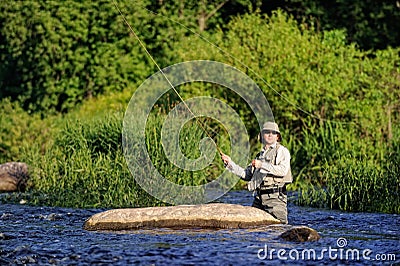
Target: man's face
[(270, 137)]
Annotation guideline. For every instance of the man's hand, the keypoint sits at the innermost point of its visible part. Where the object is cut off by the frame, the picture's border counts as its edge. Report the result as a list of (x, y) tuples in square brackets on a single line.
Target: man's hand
[(256, 163), (225, 158)]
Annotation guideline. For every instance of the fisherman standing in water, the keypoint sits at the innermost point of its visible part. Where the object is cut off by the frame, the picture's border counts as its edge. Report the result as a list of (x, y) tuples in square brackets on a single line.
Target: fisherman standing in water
[(268, 174)]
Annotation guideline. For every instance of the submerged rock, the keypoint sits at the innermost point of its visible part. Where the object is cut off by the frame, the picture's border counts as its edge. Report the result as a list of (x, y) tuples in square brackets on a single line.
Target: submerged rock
[(215, 215), (13, 176), (4, 236), (300, 234)]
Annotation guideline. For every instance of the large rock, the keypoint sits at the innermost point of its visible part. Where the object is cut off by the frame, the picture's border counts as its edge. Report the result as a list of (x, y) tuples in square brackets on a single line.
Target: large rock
[(215, 215), (13, 176)]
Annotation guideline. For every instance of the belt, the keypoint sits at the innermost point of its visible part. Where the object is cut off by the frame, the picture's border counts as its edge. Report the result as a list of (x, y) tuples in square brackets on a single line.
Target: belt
[(272, 190)]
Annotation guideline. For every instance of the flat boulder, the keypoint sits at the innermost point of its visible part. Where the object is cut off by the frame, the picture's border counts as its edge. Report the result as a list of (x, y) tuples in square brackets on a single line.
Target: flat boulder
[(13, 176), (213, 215)]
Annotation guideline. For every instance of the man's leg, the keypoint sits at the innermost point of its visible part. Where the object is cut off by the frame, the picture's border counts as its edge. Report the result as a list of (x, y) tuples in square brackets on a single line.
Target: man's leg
[(276, 205)]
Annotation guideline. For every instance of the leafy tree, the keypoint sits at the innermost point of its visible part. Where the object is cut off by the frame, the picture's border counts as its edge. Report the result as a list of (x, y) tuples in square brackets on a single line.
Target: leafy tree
[(56, 54), (371, 24), (204, 14)]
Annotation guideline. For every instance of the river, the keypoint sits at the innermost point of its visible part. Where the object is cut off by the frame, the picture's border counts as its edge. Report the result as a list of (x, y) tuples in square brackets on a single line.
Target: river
[(54, 236)]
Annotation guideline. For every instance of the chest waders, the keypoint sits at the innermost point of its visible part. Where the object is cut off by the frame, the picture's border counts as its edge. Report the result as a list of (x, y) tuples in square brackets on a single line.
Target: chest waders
[(269, 190)]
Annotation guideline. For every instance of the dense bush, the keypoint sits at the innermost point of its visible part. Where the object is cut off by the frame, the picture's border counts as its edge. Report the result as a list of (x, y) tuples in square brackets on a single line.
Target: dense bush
[(56, 54), (305, 75), (370, 24), (19, 129)]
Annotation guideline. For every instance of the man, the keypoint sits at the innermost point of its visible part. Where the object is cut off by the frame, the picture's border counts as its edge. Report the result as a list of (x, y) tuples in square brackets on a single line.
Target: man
[(268, 174)]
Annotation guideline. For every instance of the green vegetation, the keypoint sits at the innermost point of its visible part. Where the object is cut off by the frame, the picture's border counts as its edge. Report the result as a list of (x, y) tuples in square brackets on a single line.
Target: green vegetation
[(85, 167), (369, 23), (358, 184), (334, 102), (60, 53), (64, 93)]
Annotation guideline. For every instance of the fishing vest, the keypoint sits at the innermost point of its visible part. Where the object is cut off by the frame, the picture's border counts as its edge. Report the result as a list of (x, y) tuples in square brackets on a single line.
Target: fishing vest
[(267, 179)]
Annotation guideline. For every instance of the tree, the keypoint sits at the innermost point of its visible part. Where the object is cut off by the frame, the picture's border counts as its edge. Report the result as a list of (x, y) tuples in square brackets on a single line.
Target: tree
[(369, 23), (56, 54), (205, 14)]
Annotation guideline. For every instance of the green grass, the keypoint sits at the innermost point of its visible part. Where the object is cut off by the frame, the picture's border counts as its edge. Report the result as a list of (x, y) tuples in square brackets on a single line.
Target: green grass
[(357, 181), (85, 166)]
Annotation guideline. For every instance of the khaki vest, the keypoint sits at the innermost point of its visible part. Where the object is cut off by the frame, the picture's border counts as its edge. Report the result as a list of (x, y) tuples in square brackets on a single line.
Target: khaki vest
[(270, 156), (269, 179)]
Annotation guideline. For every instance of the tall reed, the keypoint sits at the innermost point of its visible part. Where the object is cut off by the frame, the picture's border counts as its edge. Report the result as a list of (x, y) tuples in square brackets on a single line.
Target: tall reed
[(358, 179), (86, 167)]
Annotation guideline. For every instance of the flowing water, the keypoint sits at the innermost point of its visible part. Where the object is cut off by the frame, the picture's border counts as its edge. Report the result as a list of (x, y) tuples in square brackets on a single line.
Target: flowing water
[(54, 236)]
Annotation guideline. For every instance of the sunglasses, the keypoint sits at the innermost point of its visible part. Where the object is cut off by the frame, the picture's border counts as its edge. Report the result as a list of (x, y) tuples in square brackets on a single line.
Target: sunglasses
[(270, 132)]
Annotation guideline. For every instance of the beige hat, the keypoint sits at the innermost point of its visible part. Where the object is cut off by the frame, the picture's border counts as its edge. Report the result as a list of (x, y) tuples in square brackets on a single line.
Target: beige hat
[(271, 126)]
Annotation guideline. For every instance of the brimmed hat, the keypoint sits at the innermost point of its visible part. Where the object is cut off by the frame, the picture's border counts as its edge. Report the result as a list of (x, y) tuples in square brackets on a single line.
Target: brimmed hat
[(271, 126)]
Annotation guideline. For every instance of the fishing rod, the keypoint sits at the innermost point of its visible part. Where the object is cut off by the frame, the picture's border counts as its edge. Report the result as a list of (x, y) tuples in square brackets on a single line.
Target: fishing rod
[(165, 76)]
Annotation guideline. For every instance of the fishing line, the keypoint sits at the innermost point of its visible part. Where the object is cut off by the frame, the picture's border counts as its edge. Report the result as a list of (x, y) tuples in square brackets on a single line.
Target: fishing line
[(165, 76), (246, 67)]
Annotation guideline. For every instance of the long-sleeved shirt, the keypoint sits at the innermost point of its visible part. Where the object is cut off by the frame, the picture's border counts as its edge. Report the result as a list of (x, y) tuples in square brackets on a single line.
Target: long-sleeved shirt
[(277, 168)]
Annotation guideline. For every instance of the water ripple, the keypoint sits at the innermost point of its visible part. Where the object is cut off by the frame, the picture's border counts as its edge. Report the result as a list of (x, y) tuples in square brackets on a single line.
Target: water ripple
[(54, 236)]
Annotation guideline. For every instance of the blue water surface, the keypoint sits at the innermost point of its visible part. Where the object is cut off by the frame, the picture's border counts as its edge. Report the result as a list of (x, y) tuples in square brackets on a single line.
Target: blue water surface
[(54, 236)]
